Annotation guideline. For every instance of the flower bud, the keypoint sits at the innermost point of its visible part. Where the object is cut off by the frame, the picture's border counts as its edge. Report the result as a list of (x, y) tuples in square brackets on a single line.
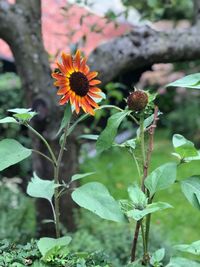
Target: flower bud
[(137, 100)]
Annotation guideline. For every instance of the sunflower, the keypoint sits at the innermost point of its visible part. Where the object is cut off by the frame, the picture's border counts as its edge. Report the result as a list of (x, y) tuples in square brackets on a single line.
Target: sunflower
[(77, 83)]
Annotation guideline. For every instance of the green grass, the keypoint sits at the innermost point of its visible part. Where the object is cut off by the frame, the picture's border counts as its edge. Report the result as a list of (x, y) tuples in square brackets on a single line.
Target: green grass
[(116, 170)]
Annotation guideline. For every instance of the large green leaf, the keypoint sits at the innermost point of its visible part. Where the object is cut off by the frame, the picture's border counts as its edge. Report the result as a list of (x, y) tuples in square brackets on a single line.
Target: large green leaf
[(182, 262), (12, 152), (107, 137), (189, 81), (193, 248), (191, 189), (161, 178), (46, 244), (40, 188), (138, 214), (184, 147), (96, 198)]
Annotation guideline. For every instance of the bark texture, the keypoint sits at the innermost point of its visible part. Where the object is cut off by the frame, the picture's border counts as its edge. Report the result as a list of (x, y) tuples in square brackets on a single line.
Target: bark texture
[(143, 46), (20, 27)]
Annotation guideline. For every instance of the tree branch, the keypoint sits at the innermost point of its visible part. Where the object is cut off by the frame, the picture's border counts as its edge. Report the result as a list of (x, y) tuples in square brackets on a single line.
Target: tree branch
[(144, 46)]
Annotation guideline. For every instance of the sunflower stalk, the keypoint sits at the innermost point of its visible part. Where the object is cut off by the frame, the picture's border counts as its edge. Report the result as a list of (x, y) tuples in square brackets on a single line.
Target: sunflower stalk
[(56, 180)]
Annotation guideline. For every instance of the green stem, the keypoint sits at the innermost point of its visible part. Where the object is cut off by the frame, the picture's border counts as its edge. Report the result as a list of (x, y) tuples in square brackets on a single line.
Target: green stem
[(43, 155), (56, 180), (138, 224), (143, 238), (53, 210), (142, 138), (137, 164), (44, 141)]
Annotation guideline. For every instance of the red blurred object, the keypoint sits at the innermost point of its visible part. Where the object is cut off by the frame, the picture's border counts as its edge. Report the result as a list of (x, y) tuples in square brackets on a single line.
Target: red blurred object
[(58, 25)]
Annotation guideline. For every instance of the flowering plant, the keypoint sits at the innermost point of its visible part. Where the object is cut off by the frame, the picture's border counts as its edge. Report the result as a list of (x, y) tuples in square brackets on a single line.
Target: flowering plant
[(77, 86)]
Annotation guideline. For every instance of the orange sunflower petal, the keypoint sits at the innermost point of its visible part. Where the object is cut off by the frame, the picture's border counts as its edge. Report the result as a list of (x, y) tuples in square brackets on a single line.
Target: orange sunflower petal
[(86, 106), (94, 95), (91, 102), (95, 90), (92, 75), (61, 68), (77, 62), (57, 75), (72, 97), (83, 64), (76, 104), (62, 90), (64, 99), (94, 82)]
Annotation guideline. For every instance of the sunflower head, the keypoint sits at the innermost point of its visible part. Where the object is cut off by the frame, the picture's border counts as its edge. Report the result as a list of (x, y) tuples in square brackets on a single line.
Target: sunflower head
[(137, 100), (77, 83)]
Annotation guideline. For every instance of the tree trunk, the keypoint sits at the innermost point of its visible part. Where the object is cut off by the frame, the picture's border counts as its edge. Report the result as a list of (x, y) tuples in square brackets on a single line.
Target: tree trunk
[(20, 27)]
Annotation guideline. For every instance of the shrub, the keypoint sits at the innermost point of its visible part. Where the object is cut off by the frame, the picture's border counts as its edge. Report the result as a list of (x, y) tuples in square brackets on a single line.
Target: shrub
[(18, 217)]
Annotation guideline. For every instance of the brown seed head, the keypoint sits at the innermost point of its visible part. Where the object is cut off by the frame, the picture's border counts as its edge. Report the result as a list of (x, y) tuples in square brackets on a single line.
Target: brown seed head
[(137, 100)]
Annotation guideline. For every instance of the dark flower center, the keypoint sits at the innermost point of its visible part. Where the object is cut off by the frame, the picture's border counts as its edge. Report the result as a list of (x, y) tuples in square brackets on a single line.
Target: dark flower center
[(79, 83)]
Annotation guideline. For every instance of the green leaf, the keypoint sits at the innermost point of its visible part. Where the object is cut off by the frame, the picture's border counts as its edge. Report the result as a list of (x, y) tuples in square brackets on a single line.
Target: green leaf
[(89, 136), (107, 137), (41, 188), (46, 244), (20, 110), (66, 118), (23, 114), (182, 262), (193, 248), (147, 122), (12, 152), (137, 214), (189, 81), (138, 197), (157, 256), (96, 198), (191, 189), (79, 176), (184, 147), (161, 178), (8, 120)]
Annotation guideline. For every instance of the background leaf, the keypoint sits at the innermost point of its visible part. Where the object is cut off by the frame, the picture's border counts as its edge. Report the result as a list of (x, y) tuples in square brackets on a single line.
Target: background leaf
[(12, 152), (161, 178), (96, 198), (45, 244), (182, 262), (193, 248)]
